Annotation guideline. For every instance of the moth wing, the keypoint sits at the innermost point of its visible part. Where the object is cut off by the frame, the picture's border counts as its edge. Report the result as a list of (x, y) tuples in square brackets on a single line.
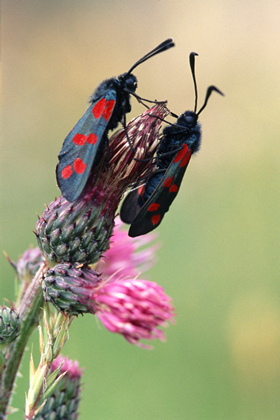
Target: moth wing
[(80, 147), (152, 212), (132, 205)]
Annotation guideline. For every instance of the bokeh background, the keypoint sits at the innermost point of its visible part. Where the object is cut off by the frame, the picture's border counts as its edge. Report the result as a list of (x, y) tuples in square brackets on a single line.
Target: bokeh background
[(220, 240)]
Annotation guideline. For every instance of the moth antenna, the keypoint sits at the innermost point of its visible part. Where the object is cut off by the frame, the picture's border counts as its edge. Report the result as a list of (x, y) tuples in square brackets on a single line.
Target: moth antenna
[(207, 96), (165, 45), (192, 66)]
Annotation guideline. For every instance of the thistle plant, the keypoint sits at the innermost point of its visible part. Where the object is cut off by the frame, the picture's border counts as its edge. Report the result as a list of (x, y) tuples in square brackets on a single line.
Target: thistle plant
[(84, 263)]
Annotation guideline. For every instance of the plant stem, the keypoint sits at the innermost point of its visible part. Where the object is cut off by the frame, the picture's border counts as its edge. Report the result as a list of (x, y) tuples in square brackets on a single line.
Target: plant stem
[(29, 312)]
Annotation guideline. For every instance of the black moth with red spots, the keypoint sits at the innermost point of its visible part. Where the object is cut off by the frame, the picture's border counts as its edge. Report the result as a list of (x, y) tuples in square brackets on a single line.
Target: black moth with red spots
[(85, 142), (145, 206)]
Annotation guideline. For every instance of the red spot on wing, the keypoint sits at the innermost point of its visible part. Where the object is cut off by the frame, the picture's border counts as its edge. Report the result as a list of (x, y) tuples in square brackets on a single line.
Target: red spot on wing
[(181, 154), (153, 207), (174, 188), (92, 138), (79, 139), (140, 190), (98, 108), (168, 182), (186, 159), (79, 166), (103, 108), (108, 109), (66, 172), (156, 219)]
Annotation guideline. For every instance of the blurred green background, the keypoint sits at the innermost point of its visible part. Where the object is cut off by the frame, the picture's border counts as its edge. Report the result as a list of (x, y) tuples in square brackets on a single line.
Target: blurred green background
[(220, 241)]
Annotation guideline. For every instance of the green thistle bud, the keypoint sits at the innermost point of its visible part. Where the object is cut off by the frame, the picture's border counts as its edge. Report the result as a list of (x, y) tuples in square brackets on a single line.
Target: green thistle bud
[(71, 231), (63, 403), (80, 232), (9, 325), (69, 288)]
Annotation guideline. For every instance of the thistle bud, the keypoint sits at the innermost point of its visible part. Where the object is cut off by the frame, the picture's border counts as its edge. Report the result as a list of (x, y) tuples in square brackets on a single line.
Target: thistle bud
[(28, 264), (64, 401), (9, 325), (69, 288)]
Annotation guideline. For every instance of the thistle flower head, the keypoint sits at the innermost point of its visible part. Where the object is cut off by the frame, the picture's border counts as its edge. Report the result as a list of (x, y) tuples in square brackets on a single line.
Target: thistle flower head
[(81, 231), (68, 366), (131, 307), (127, 257), (130, 152)]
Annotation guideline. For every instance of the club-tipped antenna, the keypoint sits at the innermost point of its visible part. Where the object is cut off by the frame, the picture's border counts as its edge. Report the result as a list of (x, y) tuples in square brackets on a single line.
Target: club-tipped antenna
[(209, 90), (207, 96), (160, 48), (192, 66)]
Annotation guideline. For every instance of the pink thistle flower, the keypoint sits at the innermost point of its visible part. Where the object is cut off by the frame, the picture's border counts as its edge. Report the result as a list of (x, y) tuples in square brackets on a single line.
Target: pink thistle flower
[(68, 366), (134, 308), (126, 257), (130, 307)]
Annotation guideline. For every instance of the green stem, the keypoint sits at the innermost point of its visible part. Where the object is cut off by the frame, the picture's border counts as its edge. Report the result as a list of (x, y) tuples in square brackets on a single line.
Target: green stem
[(29, 311)]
